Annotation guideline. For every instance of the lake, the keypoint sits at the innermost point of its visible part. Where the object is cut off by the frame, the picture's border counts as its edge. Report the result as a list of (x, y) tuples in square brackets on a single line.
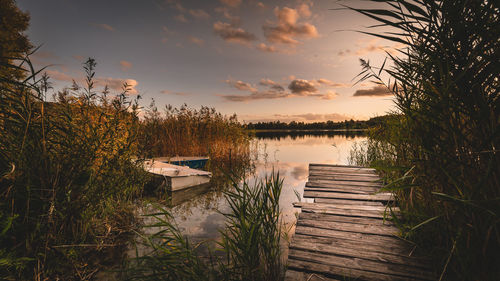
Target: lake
[(287, 152)]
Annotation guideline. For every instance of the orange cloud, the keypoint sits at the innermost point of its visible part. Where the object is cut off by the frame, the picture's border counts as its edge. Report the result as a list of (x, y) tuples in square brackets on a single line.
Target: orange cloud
[(126, 65), (240, 85), (287, 28), (199, 14), (104, 26), (197, 41), (231, 3), (266, 48), (375, 91), (327, 82), (231, 33)]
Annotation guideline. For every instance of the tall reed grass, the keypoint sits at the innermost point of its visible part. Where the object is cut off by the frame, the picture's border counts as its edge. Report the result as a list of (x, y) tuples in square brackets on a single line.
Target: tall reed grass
[(442, 146), (66, 176), (186, 131), (250, 242)]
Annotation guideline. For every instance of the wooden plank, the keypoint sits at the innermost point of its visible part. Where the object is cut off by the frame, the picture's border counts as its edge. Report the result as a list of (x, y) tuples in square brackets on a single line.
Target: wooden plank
[(337, 218), (343, 186), (342, 201), (343, 169), (344, 178), (362, 264), (384, 230), (293, 275), (343, 190), (359, 238), (351, 196), (380, 209), (317, 173), (336, 166), (364, 246), (350, 251), (342, 272), (344, 212), (345, 183), (342, 172)]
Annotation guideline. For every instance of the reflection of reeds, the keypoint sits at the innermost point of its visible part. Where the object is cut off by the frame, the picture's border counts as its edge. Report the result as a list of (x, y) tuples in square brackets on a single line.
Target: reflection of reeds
[(441, 149)]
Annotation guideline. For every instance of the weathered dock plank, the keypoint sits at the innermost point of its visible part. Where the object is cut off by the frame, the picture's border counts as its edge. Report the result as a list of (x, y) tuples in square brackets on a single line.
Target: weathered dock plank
[(347, 233), (349, 202), (352, 196)]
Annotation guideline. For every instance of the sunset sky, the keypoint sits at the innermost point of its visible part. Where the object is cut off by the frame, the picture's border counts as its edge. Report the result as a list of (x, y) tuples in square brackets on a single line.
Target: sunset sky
[(263, 60)]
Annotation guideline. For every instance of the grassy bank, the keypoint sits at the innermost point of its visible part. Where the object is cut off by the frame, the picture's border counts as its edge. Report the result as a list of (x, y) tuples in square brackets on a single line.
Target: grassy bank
[(439, 151)]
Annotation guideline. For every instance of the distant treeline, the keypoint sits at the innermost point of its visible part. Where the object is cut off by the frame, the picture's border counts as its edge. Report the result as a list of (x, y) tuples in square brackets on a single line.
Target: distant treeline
[(328, 125)]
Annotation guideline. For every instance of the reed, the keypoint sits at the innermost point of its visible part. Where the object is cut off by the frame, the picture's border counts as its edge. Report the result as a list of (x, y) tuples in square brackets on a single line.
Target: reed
[(66, 176), (250, 242), (441, 149), (189, 132)]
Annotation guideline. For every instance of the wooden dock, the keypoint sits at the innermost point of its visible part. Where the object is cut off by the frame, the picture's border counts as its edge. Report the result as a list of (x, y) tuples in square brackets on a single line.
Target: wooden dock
[(347, 233)]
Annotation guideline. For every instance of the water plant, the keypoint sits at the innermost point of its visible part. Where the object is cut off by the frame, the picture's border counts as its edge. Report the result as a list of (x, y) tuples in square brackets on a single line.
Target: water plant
[(250, 247), (441, 147), (64, 196)]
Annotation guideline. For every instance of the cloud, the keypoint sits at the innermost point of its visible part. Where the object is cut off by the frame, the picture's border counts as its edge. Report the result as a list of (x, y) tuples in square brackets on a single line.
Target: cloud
[(104, 26), (329, 95), (126, 65), (196, 40), (166, 33), (78, 58), (303, 10), (235, 20), (298, 88), (305, 117), (233, 34), (375, 91), (315, 117), (258, 95), (231, 3), (112, 83), (261, 5), (266, 48), (181, 18), (327, 82), (287, 28), (371, 47), (242, 86), (199, 14), (60, 76), (117, 84), (272, 84), (302, 87), (167, 92)]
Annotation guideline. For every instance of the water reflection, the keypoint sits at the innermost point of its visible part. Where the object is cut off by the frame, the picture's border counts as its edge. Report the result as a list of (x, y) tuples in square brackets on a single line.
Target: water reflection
[(199, 217)]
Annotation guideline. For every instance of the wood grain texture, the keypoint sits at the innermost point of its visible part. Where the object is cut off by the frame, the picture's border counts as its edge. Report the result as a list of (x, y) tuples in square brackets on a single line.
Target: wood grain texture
[(347, 233)]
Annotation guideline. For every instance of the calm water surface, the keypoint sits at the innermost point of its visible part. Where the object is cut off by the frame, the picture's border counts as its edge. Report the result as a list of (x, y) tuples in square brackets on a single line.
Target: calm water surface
[(199, 219)]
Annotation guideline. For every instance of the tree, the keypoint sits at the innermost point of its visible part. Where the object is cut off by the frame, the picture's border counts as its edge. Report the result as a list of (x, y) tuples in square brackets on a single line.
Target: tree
[(13, 42)]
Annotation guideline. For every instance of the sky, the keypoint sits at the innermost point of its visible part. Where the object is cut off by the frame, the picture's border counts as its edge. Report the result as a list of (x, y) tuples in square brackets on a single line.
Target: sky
[(262, 60)]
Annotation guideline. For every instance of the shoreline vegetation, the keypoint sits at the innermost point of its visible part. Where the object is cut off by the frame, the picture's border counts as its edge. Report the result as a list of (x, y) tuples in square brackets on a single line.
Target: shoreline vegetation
[(69, 187), (439, 151)]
